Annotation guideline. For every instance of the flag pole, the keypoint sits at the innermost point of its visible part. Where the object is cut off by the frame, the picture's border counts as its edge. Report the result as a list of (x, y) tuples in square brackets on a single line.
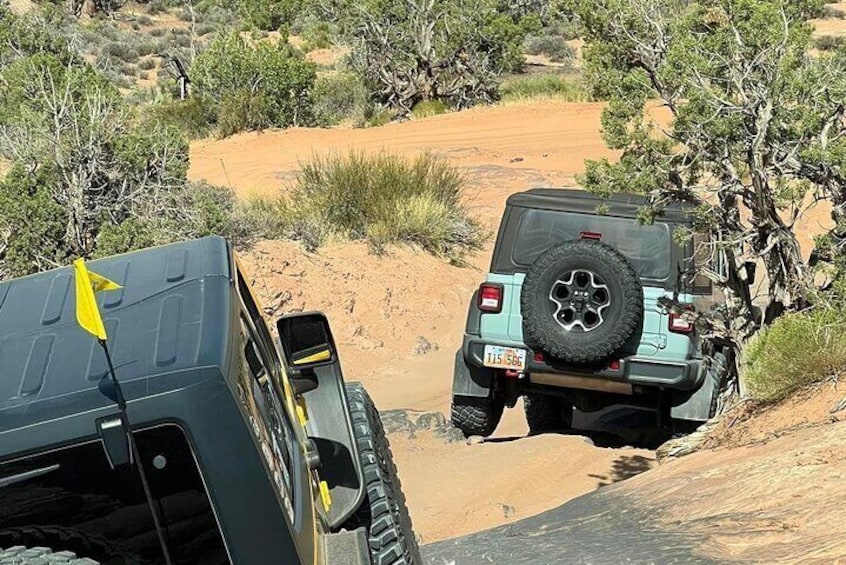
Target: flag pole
[(121, 402)]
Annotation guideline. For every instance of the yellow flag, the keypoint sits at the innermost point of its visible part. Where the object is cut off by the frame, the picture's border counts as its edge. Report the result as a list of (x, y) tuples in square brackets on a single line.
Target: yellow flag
[(87, 283)]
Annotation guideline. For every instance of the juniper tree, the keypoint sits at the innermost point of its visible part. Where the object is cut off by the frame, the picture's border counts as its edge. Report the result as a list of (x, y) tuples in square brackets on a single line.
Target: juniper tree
[(755, 131)]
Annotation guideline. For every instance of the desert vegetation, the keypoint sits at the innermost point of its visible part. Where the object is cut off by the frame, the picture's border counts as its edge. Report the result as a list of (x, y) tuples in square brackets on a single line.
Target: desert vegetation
[(97, 163), (756, 133), (381, 199), (96, 131), (393, 56)]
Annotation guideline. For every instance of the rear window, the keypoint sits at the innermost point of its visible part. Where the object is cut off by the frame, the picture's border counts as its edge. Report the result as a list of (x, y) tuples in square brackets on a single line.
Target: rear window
[(648, 248), (85, 505)]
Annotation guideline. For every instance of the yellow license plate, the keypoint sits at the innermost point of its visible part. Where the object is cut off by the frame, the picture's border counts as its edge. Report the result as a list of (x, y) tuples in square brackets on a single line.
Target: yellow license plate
[(500, 357)]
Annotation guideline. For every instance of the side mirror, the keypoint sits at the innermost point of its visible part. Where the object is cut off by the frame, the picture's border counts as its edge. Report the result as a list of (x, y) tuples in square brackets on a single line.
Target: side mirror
[(750, 267), (307, 343)]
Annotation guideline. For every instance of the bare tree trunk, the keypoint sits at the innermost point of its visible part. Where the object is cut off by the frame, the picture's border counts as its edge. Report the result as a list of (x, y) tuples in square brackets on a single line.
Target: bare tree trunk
[(89, 8)]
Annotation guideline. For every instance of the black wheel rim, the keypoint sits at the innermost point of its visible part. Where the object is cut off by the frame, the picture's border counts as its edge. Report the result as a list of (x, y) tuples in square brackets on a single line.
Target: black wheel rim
[(578, 300)]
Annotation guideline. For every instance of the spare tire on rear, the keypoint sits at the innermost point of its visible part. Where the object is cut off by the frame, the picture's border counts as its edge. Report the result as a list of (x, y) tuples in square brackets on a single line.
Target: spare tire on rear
[(581, 301)]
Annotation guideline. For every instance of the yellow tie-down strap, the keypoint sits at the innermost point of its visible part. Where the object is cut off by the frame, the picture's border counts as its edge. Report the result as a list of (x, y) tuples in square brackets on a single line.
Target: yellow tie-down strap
[(302, 416), (325, 496)]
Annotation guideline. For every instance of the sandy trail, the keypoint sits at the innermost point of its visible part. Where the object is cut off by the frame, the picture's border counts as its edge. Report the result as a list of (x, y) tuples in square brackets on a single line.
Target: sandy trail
[(545, 142), (399, 319)]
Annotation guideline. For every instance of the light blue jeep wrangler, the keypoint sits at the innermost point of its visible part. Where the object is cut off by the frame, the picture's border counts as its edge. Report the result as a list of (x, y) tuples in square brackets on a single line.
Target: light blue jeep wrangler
[(569, 316)]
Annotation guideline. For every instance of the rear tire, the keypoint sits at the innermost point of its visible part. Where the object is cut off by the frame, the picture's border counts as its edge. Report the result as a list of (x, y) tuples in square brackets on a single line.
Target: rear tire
[(20, 555), (476, 416), (384, 513), (547, 413)]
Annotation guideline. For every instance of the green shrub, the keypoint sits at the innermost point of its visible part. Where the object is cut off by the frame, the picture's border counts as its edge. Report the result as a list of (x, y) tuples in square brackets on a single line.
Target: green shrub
[(429, 108), (567, 28), (339, 96), (156, 7), (829, 42), (270, 15), (797, 350), (89, 176), (546, 85), (268, 217), (26, 202), (268, 85), (181, 40), (553, 46), (194, 116), (467, 46), (380, 117), (243, 110), (39, 31), (384, 199), (146, 47), (206, 210), (205, 28), (316, 35), (832, 13), (147, 64)]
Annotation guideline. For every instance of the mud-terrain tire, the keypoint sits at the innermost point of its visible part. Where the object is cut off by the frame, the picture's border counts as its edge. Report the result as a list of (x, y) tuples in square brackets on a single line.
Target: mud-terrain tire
[(476, 416), (96, 549), (20, 555), (547, 413), (383, 512), (561, 269)]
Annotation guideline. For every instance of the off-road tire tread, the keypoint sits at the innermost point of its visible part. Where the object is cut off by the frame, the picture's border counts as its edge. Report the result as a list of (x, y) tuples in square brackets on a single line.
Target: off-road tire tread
[(547, 413), (475, 416), (384, 511), (21, 555), (591, 350), (74, 541)]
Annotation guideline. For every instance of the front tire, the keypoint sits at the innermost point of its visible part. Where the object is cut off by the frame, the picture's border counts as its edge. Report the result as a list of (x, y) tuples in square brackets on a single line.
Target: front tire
[(547, 413), (383, 512)]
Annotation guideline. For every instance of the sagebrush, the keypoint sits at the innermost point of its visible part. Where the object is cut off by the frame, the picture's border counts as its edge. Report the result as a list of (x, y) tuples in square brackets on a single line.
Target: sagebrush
[(795, 351), (254, 86), (381, 199), (544, 85)]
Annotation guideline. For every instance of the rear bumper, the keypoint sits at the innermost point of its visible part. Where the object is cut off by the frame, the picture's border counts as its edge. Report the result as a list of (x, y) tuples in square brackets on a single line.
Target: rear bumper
[(633, 371)]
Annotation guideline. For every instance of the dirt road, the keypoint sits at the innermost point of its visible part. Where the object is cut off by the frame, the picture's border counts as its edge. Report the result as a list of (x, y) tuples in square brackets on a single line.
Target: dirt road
[(399, 319), (772, 492)]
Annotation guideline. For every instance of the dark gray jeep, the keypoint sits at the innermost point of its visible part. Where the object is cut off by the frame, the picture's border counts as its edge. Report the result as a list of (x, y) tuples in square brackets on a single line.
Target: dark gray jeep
[(573, 315), (250, 454)]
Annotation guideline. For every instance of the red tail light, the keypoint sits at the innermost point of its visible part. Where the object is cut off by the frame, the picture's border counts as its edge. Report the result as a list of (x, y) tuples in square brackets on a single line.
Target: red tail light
[(678, 324), (539, 357), (490, 298), (614, 365), (590, 235)]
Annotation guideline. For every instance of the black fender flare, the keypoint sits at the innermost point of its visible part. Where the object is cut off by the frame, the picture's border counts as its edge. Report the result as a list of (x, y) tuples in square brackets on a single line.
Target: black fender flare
[(468, 380)]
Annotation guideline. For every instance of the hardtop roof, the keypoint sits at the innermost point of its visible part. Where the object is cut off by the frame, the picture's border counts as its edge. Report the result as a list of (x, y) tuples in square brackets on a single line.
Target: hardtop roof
[(581, 201), (171, 316)]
